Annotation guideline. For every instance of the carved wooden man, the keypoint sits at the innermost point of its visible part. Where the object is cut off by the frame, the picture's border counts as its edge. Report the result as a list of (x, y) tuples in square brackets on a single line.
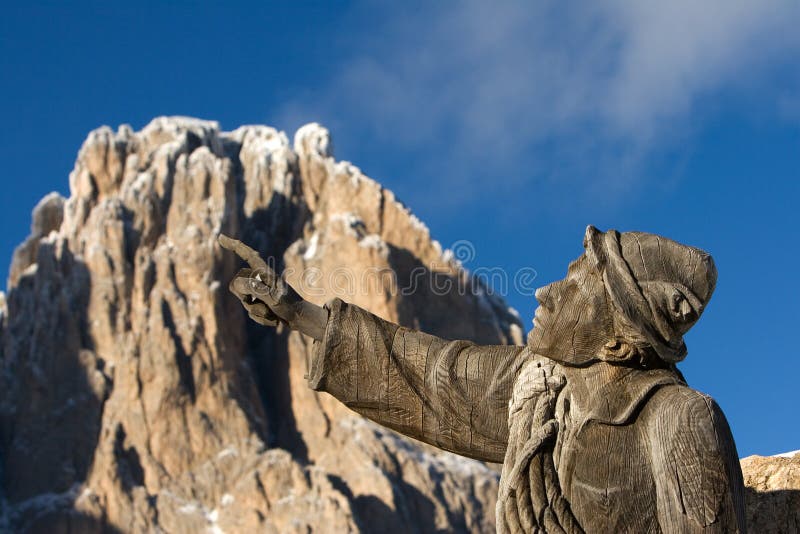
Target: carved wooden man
[(596, 428)]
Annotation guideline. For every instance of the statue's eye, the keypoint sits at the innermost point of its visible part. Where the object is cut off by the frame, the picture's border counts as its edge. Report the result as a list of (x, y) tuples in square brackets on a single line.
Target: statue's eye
[(681, 308)]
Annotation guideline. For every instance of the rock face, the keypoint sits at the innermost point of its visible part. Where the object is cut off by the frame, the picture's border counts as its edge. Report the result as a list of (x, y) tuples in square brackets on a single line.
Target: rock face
[(135, 395), (773, 493)]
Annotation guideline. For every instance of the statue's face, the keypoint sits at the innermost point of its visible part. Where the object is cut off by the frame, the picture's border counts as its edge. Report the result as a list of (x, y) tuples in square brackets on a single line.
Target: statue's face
[(573, 321)]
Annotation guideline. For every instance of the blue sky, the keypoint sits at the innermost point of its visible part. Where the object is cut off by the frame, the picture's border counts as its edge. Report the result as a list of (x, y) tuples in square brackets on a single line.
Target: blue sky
[(510, 124)]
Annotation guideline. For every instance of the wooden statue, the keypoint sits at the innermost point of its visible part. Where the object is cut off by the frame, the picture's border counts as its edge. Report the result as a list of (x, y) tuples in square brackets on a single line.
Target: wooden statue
[(595, 426)]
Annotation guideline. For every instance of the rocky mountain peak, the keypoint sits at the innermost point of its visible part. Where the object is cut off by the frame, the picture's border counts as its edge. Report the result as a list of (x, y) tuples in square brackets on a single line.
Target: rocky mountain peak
[(137, 396)]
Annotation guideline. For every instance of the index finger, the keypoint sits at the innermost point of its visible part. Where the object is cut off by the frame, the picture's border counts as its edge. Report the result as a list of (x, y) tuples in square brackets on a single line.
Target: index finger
[(243, 251)]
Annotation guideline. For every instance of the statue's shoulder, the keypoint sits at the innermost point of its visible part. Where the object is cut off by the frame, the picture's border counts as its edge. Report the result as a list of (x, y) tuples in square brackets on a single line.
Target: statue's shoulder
[(678, 407), (679, 416), (692, 450)]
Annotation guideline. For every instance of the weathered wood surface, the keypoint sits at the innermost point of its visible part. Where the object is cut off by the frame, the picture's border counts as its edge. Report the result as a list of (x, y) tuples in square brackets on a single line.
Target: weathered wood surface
[(658, 457), (596, 427), (451, 394)]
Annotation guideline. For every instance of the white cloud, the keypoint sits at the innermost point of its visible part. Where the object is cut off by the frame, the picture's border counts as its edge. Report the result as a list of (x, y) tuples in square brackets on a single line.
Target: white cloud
[(487, 82), (675, 51)]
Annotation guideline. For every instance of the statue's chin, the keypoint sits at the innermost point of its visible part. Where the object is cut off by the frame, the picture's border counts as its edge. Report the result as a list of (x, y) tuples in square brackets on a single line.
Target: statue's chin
[(535, 337), (538, 345)]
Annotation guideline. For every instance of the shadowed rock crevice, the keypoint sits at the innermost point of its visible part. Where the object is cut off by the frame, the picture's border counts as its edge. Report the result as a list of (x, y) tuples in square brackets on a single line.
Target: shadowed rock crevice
[(54, 387), (772, 493), (129, 465), (764, 507), (270, 360), (271, 230), (415, 512), (67, 521), (182, 360), (428, 295)]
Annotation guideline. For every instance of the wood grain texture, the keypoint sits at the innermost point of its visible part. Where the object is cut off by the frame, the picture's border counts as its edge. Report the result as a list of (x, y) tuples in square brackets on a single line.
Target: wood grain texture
[(652, 455), (596, 427), (451, 394)]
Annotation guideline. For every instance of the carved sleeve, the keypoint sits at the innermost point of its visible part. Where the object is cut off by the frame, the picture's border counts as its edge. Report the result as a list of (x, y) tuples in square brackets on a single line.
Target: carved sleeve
[(697, 473), (451, 394)]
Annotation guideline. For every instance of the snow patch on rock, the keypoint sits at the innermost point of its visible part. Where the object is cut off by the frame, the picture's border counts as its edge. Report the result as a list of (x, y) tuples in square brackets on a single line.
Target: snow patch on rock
[(311, 249), (313, 139)]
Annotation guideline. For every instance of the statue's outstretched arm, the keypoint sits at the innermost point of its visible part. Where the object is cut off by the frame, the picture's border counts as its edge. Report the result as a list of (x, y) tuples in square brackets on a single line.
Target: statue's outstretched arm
[(451, 394)]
